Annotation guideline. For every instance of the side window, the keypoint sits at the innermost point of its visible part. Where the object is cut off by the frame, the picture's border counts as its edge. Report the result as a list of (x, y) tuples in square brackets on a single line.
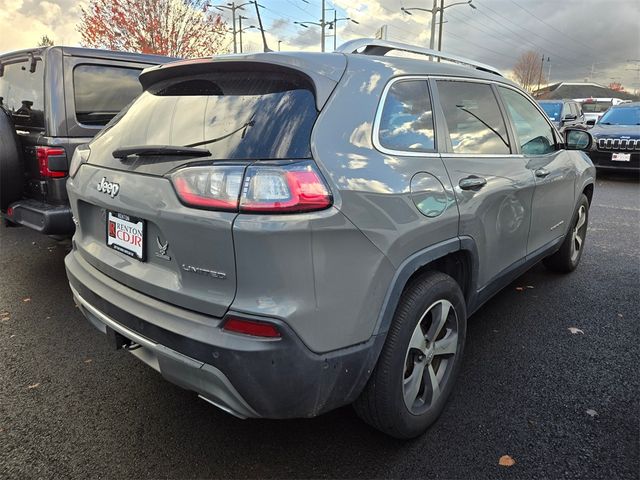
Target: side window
[(473, 118), (100, 92), (22, 93), (574, 110), (406, 122), (534, 133)]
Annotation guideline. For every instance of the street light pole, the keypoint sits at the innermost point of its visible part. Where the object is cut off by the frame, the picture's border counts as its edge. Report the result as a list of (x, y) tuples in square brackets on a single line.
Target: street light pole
[(434, 12), (232, 7), (240, 18), (322, 25)]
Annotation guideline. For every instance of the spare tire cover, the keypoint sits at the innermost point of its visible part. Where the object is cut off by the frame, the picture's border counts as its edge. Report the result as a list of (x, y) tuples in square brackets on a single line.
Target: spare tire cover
[(11, 164)]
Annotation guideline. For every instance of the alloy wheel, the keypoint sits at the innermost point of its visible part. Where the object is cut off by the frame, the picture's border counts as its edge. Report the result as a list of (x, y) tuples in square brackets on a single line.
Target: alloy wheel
[(578, 233), (429, 358)]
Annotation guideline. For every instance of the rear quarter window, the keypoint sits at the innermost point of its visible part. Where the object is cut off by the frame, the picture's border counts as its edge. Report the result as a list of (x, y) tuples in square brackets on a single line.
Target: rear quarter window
[(101, 91), (406, 123), (22, 93)]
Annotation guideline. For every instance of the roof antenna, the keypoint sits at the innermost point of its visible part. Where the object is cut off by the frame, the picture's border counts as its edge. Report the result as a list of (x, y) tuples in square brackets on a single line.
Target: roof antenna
[(264, 39)]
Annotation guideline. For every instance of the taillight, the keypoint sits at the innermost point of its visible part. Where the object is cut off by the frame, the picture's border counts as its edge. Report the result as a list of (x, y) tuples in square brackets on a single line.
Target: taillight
[(47, 156), (251, 327), (296, 187), (264, 188), (215, 187)]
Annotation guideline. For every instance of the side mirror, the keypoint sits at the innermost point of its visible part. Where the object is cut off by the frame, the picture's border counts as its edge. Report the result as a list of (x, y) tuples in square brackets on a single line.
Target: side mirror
[(576, 139), (591, 123), (569, 117)]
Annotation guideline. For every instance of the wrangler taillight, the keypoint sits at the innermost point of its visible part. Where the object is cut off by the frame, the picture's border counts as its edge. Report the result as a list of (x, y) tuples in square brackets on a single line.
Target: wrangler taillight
[(48, 155), (262, 188)]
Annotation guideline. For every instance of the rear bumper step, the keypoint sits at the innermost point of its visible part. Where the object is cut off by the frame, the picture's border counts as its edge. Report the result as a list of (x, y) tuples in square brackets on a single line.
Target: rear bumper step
[(42, 217)]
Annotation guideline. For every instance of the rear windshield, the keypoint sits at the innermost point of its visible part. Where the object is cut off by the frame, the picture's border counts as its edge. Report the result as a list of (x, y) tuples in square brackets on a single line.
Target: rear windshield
[(22, 93), (621, 116), (553, 110), (595, 107), (235, 115)]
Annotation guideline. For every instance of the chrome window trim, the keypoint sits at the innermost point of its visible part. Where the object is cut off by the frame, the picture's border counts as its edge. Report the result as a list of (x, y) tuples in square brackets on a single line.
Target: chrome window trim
[(409, 153)]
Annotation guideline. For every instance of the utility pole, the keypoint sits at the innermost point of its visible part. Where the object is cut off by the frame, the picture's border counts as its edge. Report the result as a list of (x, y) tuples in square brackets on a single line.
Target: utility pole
[(232, 7), (240, 18), (322, 25), (279, 42), (440, 26), (540, 76), (264, 38), (434, 14)]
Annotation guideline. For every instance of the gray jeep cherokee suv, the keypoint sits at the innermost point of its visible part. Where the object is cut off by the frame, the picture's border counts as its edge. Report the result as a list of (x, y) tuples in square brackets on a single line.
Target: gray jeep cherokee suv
[(287, 233)]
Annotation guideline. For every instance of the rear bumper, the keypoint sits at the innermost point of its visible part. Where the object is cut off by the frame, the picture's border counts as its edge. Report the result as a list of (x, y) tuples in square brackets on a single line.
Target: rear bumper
[(245, 376), (42, 217)]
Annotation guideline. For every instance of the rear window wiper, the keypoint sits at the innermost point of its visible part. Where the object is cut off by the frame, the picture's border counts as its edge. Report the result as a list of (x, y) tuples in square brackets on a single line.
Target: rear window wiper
[(159, 150)]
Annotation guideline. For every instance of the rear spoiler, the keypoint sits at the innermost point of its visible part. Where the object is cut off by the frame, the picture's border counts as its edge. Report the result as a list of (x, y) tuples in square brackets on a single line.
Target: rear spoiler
[(323, 71)]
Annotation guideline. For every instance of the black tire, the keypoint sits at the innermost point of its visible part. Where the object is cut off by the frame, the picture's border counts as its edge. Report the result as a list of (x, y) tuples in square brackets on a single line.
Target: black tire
[(382, 403), (567, 258), (11, 164)]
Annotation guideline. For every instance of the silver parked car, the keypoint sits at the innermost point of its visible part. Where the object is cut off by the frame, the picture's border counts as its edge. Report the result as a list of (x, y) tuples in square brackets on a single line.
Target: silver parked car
[(287, 233)]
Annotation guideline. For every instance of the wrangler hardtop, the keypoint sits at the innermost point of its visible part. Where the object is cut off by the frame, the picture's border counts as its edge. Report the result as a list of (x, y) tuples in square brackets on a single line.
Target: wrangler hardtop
[(53, 99)]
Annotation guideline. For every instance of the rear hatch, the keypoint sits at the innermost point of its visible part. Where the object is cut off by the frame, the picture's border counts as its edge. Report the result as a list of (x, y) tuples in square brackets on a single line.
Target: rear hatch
[(241, 113)]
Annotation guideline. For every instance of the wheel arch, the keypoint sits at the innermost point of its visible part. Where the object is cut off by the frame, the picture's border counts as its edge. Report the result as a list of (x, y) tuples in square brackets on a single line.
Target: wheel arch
[(456, 257)]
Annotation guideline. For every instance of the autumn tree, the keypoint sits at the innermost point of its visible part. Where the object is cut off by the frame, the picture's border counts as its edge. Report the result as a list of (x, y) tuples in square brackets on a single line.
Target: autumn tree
[(617, 86), (45, 41), (528, 71), (178, 28)]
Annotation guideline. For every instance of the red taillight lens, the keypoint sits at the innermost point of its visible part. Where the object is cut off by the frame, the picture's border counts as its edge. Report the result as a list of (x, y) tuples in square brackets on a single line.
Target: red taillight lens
[(266, 188), (297, 187), (43, 154), (251, 327), (215, 187)]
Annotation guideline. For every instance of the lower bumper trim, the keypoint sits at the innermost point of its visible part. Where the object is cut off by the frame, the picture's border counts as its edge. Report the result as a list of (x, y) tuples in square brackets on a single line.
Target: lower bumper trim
[(42, 217), (210, 383)]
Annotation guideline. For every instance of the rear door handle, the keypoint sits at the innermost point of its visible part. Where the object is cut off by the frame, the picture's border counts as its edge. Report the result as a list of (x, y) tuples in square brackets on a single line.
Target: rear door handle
[(542, 172), (472, 183)]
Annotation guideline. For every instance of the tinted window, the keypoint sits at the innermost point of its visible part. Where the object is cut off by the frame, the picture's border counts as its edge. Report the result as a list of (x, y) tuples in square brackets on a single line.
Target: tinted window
[(235, 115), (407, 118), (621, 116), (22, 93), (534, 133), (473, 118), (552, 109), (595, 107), (101, 92)]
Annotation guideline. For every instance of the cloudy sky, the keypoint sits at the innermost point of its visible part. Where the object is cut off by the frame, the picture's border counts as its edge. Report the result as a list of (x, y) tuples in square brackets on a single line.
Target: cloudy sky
[(598, 40)]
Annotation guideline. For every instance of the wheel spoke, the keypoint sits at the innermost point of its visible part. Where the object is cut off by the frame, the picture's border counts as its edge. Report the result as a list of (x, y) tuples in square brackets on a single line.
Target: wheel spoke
[(578, 242), (581, 218), (418, 341), (439, 315), (447, 346), (412, 383), (433, 382)]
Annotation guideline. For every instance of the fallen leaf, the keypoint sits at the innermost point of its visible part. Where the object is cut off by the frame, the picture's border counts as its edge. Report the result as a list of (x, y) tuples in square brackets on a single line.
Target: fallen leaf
[(506, 461), (592, 413), (520, 289), (530, 286), (575, 330), (11, 336), (25, 300), (35, 385), (620, 315), (88, 360), (7, 313)]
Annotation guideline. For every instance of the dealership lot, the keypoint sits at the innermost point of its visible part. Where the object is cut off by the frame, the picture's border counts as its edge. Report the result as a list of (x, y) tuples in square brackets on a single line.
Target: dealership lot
[(562, 404)]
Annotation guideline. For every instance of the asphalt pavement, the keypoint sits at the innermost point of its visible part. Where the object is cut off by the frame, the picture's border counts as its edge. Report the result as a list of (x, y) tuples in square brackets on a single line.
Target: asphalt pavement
[(560, 404)]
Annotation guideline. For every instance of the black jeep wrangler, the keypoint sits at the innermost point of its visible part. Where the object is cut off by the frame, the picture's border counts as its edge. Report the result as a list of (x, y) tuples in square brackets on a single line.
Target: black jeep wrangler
[(53, 99)]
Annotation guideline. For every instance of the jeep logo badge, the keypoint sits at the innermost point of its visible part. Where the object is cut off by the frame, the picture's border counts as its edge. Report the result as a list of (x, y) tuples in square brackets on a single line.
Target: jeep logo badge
[(110, 188)]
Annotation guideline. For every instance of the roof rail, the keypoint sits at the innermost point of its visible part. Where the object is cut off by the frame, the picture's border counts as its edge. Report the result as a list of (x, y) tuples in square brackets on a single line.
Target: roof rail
[(372, 46)]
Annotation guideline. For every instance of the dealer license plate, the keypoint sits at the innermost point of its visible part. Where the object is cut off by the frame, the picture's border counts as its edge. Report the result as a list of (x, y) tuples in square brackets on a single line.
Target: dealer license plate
[(126, 234), (621, 157)]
